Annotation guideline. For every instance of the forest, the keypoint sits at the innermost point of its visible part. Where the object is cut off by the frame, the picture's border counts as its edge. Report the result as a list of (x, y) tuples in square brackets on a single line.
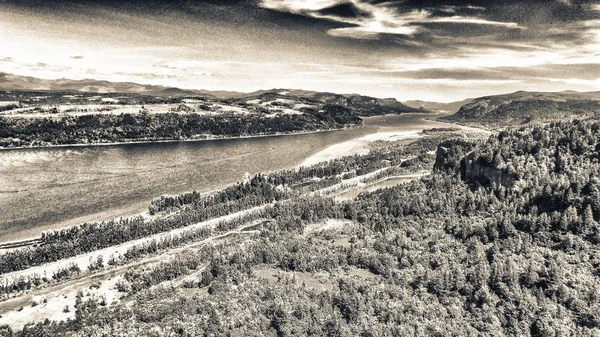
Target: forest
[(451, 254), (105, 128)]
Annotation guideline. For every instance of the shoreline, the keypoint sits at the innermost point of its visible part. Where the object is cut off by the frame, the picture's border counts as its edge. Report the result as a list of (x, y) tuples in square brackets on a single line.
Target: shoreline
[(6, 246), (145, 141), (358, 146), (464, 126), (213, 138)]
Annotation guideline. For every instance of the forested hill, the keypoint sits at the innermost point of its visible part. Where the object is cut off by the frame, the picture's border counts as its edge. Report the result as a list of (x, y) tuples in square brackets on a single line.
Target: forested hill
[(525, 107), (362, 105), (449, 255), (143, 126)]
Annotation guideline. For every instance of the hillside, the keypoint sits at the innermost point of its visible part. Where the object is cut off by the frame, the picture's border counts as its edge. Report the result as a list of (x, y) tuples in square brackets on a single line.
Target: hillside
[(525, 107), (363, 105), (26, 83), (36, 112), (448, 255)]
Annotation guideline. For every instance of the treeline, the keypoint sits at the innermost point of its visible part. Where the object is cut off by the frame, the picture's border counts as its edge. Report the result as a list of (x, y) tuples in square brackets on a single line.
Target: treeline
[(261, 189), (283, 184), (107, 128), (8, 107), (23, 283), (88, 237)]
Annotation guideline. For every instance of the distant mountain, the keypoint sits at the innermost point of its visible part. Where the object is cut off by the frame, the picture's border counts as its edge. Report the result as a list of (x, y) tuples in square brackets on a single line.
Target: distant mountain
[(435, 106), (364, 104), (177, 92), (523, 107), (27, 83)]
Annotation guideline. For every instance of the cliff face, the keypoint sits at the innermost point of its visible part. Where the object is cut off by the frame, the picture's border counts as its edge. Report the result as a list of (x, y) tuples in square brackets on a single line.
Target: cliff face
[(475, 172), (449, 154), (457, 156)]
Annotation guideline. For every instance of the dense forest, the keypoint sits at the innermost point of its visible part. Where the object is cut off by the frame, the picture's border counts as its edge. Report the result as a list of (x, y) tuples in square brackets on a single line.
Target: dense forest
[(105, 128), (502, 240)]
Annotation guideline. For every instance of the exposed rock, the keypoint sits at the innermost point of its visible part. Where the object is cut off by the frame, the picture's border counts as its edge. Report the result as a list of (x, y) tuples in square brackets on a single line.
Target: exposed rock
[(475, 172)]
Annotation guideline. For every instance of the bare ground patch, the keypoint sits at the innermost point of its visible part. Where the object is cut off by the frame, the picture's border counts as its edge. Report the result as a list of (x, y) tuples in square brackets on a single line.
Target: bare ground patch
[(321, 281)]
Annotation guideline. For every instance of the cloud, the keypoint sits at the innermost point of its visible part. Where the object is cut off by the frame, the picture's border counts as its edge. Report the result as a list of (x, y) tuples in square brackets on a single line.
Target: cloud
[(6, 59), (369, 21), (593, 83), (476, 21), (345, 10), (426, 49), (584, 72), (144, 76)]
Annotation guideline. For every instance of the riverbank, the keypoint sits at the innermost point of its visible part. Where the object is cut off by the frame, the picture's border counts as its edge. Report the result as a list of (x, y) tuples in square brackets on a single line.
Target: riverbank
[(149, 141), (464, 126), (358, 146), (108, 215)]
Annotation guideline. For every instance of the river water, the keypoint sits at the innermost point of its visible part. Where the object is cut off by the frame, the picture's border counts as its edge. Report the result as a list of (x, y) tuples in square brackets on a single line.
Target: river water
[(47, 188)]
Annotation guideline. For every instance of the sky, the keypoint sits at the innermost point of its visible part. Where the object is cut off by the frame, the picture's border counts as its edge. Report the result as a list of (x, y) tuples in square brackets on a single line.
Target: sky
[(429, 50)]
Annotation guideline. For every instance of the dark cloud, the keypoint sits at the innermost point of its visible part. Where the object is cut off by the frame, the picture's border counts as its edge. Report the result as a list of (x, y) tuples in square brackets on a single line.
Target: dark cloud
[(414, 22), (471, 23), (508, 10), (472, 40), (345, 10), (470, 29)]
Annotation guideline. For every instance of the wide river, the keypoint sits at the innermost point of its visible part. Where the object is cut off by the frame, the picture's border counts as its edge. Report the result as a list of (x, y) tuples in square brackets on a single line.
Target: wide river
[(48, 188)]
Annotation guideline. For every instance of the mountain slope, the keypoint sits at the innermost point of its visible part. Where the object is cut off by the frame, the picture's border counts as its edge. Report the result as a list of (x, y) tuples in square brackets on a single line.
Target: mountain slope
[(524, 107), (365, 105), (27, 83)]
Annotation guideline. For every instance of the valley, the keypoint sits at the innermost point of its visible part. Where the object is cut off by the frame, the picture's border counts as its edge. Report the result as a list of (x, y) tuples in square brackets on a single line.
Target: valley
[(279, 168), (315, 214)]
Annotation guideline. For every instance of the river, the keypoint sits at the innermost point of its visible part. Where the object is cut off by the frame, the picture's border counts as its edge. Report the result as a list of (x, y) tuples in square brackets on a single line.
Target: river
[(46, 188)]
